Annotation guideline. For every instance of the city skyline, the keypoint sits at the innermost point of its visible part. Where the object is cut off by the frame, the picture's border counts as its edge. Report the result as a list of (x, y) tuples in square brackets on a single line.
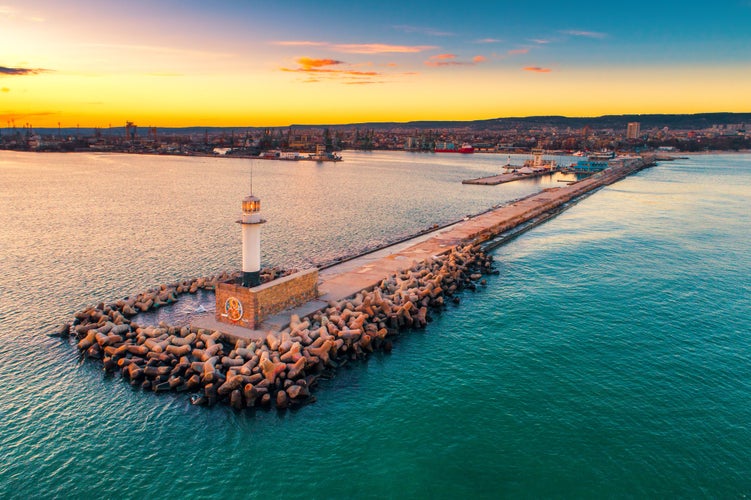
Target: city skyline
[(256, 64)]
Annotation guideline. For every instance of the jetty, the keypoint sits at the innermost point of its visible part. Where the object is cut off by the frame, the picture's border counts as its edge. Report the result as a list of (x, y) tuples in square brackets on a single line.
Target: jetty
[(357, 308), (344, 280), (494, 180)]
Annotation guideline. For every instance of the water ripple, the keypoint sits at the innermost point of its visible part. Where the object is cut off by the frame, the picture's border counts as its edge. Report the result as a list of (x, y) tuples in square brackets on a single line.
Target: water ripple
[(610, 354)]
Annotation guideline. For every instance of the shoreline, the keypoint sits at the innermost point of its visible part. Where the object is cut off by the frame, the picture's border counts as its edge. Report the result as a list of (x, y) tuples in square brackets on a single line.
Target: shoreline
[(256, 157)]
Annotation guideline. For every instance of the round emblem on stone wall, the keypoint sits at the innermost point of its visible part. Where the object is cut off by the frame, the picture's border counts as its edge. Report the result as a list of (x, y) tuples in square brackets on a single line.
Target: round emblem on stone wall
[(233, 308)]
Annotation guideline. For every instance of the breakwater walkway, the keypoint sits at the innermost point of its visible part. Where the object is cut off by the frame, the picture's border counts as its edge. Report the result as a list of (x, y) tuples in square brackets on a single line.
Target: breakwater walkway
[(365, 272)]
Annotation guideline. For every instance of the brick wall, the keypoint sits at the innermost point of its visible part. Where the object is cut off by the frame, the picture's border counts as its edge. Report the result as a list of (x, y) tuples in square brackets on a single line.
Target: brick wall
[(283, 293), (248, 307)]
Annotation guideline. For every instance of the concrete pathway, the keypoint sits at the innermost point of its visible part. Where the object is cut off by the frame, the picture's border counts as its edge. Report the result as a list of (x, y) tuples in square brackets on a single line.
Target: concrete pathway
[(350, 277)]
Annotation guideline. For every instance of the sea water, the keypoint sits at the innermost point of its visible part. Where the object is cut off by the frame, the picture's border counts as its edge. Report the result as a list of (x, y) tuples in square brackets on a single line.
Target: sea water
[(610, 357)]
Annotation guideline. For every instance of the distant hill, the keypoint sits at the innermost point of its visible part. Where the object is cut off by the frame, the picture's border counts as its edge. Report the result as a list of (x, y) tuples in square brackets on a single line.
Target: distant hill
[(672, 121), (648, 121)]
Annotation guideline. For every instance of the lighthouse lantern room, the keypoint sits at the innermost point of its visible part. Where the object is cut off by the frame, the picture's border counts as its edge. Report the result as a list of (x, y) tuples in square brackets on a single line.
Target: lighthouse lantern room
[(251, 232)]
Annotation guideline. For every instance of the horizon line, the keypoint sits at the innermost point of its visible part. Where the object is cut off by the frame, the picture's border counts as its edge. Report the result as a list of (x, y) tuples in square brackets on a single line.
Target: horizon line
[(350, 124)]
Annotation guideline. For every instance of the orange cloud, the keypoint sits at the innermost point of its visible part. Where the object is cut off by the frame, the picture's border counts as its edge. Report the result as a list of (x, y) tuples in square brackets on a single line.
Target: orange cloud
[(537, 69), (517, 51), (318, 69), (309, 63), (478, 59)]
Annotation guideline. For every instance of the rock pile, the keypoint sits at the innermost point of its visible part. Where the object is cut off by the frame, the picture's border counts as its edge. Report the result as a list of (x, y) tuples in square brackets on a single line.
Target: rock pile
[(281, 369)]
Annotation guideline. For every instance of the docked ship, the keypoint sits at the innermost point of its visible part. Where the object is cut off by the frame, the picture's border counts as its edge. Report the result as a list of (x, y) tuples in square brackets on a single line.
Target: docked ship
[(319, 155), (273, 154), (450, 147), (322, 155), (536, 164)]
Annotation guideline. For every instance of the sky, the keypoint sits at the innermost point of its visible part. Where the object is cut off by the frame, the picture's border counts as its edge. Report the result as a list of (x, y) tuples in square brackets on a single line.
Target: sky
[(247, 63)]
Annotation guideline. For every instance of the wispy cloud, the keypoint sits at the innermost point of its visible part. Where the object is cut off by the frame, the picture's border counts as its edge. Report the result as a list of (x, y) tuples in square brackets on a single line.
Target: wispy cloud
[(537, 69), (6, 71), (363, 82), (160, 49), (380, 48), (25, 116), (440, 60), (513, 52), (489, 40), (586, 34), (359, 48), (12, 13), (422, 30), (539, 41), (299, 43)]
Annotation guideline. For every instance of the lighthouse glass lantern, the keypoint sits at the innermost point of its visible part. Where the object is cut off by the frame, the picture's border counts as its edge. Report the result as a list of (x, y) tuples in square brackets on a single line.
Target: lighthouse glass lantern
[(251, 233)]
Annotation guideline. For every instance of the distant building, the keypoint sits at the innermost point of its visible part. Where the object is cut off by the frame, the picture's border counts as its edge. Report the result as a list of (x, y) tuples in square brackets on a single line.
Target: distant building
[(595, 162), (633, 131)]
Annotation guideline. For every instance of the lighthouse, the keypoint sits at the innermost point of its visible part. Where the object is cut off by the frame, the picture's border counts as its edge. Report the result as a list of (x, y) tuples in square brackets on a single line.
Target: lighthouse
[(251, 230), (244, 304)]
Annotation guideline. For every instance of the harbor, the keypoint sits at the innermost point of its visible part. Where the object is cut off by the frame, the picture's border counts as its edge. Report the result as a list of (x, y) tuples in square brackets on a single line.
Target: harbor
[(368, 250), (530, 352), (254, 353), (532, 168)]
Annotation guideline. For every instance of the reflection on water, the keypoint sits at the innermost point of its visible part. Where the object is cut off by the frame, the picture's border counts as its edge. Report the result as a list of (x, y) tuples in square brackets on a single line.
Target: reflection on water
[(611, 354)]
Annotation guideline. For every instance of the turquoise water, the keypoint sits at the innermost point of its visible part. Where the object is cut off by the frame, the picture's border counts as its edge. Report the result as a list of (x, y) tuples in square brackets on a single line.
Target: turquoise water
[(610, 357)]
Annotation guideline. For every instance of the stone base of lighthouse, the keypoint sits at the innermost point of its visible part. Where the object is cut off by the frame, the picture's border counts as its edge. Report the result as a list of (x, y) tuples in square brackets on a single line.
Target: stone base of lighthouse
[(248, 307)]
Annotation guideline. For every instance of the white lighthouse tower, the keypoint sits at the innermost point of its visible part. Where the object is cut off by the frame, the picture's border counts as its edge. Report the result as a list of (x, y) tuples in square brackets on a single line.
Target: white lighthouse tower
[(251, 227)]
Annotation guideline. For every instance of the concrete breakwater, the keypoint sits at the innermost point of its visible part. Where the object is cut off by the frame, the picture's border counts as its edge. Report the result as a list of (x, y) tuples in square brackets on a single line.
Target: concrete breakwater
[(363, 314), (160, 296), (280, 369)]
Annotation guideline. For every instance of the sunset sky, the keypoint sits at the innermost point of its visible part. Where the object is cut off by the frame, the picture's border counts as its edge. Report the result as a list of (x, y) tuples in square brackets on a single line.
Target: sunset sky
[(249, 63)]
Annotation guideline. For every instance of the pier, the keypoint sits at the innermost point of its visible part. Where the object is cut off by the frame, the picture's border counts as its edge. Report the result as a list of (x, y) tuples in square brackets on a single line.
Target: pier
[(494, 180), (346, 279), (342, 313)]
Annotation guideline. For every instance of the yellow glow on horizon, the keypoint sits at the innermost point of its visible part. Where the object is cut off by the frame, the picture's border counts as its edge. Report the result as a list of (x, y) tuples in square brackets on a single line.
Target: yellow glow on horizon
[(276, 98)]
